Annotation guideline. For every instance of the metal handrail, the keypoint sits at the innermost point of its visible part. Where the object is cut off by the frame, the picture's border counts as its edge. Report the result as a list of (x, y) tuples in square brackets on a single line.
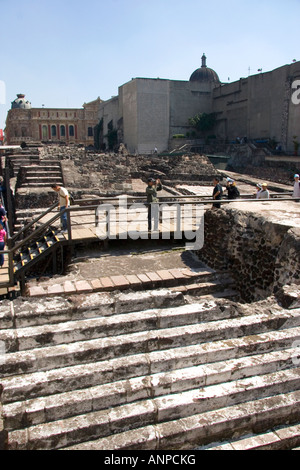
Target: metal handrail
[(24, 229), (173, 196), (41, 229), (116, 201), (181, 200)]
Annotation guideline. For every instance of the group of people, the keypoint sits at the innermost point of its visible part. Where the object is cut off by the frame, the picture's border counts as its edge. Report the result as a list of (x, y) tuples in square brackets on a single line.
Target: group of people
[(231, 188), (262, 191), (154, 186)]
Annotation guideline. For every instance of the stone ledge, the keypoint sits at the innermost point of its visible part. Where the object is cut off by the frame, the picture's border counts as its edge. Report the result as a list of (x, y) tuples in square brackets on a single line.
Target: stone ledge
[(289, 296)]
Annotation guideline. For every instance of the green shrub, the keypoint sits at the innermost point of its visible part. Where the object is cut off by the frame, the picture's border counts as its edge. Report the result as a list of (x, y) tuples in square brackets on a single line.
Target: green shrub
[(178, 136)]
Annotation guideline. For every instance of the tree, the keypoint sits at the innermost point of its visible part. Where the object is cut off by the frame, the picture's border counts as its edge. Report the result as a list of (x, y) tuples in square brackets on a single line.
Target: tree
[(203, 122), (98, 135), (112, 138)]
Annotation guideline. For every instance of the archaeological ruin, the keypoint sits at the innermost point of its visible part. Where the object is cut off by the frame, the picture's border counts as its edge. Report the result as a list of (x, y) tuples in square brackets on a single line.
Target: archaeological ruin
[(113, 337)]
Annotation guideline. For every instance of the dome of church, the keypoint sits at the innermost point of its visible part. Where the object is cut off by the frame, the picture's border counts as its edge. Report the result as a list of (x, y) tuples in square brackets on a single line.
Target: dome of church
[(20, 103), (205, 74)]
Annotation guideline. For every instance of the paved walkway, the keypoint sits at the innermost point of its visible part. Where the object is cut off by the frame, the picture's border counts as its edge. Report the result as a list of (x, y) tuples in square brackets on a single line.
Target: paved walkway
[(123, 269)]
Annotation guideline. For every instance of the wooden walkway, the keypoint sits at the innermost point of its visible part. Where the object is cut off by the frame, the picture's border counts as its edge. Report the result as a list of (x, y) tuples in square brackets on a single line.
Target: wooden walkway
[(135, 225)]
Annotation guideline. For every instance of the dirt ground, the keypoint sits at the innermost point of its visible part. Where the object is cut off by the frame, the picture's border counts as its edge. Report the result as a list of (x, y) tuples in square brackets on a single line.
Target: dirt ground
[(132, 259)]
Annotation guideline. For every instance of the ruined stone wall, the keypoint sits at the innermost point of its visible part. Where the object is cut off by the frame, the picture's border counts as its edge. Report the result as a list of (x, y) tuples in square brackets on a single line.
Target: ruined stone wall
[(115, 171), (261, 255)]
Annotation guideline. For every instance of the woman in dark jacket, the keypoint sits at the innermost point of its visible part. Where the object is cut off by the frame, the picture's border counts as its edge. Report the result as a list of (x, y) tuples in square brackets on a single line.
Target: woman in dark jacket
[(233, 192)]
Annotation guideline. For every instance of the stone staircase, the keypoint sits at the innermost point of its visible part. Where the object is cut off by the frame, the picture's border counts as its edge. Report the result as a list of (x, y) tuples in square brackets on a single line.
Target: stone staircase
[(37, 251), (33, 172), (148, 370), (43, 175), (18, 160)]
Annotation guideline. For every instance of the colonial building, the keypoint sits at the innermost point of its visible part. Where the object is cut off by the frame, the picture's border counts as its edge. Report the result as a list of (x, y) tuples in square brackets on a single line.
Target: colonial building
[(261, 107), (147, 113), (64, 125)]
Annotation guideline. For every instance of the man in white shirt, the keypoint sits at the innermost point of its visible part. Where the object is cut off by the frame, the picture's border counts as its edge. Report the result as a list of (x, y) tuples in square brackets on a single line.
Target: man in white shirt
[(296, 192), (264, 193), (63, 203)]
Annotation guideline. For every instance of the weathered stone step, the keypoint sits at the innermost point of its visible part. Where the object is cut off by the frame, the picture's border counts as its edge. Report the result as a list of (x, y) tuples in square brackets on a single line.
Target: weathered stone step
[(42, 173), (193, 431), (39, 185), (104, 327), (52, 166), (215, 354), (42, 179), (85, 352), (280, 438), (63, 405), (33, 312), (164, 410), (149, 326)]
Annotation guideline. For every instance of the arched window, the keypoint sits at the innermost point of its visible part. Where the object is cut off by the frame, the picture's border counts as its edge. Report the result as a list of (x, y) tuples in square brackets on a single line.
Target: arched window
[(23, 131), (71, 131), (45, 132), (90, 132), (62, 131), (53, 131)]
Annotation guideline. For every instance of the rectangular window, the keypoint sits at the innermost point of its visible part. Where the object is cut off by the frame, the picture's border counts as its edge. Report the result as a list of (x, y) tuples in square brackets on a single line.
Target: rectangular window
[(71, 131)]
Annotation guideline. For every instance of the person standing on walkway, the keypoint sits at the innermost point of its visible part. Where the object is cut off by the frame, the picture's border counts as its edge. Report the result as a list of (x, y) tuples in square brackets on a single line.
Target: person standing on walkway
[(3, 217), (233, 192), (3, 239), (152, 201), (296, 192), (63, 203), (217, 193), (264, 193), (258, 190)]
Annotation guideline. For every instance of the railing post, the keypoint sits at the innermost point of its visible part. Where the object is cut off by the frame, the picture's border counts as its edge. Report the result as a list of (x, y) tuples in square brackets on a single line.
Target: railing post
[(69, 224), (9, 208), (11, 273)]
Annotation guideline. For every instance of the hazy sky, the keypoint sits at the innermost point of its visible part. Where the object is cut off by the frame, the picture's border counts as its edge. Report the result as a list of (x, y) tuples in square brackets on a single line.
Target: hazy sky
[(62, 53)]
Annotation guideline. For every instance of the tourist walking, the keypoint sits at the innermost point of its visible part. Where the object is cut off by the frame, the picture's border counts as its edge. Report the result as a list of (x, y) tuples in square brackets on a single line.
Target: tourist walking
[(3, 238), (296, 192), (152, 201), (63, 203), (233, 192), (217, 192), (3, 217)]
